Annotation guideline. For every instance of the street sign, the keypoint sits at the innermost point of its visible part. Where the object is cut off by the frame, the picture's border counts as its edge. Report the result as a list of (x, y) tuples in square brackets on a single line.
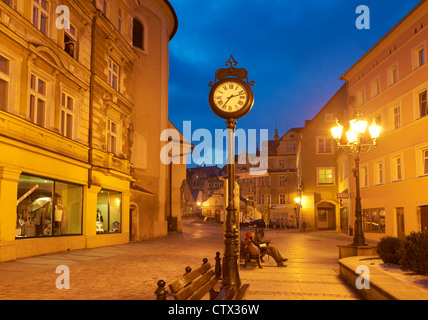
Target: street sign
[(343, 195)]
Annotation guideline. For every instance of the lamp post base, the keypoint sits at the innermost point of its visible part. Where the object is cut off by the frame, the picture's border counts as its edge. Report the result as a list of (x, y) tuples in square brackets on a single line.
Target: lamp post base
[(353, 250)]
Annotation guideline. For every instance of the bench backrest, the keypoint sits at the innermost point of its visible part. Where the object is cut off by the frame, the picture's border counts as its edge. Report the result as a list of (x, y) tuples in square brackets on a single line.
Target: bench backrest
[(195, 284)]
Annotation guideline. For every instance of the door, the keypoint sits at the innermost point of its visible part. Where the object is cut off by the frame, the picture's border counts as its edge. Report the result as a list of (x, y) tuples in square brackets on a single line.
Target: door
[(400, 222), (423, 212)]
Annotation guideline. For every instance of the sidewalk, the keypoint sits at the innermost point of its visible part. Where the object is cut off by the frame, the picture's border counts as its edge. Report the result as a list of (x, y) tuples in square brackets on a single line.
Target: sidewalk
[(131, 271)]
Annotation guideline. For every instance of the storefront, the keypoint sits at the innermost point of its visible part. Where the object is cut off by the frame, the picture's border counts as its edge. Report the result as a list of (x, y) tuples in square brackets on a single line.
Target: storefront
[(46, 205)]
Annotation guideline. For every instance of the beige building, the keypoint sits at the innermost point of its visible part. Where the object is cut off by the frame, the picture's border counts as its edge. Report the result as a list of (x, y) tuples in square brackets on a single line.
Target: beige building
[(390, 83), (69, 132), (319, 178)]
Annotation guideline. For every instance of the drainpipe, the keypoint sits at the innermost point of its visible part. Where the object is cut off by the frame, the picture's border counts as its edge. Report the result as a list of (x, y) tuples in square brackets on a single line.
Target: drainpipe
[(91, 101)]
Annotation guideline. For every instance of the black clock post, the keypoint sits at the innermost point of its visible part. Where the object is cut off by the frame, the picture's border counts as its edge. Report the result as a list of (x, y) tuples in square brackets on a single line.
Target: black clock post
[(231, 98)]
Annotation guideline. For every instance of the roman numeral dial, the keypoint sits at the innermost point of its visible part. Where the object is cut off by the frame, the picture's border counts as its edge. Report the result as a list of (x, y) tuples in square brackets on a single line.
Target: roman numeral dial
[(230, 96)]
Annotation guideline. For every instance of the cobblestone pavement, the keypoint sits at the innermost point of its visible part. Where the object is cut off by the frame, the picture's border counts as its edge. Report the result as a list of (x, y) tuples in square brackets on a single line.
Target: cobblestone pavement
[(130, 271)]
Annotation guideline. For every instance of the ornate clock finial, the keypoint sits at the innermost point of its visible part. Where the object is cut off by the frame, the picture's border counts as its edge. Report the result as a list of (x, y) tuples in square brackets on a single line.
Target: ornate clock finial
[(240, 73)]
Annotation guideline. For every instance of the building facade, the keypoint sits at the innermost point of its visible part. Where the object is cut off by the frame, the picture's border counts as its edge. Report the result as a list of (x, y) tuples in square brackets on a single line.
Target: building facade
[(67, 99), (319, 176), (389, 83)]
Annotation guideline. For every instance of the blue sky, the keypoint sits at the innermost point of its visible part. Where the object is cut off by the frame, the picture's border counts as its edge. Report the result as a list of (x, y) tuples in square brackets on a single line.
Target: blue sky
[(295, 51)]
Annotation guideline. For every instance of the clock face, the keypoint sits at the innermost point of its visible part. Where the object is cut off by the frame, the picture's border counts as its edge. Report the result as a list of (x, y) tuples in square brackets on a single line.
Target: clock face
[(230, 96)]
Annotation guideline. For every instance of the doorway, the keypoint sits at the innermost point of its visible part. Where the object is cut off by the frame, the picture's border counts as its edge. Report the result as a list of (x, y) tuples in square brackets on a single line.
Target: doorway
[(423, 214), (399, 214), (326, 214)]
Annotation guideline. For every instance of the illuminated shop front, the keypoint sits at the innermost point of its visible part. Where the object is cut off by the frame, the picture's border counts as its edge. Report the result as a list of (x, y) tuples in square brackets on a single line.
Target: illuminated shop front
[(48, 208)]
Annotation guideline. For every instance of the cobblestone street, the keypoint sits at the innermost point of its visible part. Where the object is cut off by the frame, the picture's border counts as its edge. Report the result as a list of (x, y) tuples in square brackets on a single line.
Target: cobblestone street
[(130, 272)]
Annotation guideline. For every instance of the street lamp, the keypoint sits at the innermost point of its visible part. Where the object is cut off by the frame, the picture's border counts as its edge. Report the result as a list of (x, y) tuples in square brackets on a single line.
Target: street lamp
[(359, 143)]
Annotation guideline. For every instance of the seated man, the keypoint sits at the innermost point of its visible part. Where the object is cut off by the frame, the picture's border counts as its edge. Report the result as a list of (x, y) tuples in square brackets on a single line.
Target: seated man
[(265, 248)]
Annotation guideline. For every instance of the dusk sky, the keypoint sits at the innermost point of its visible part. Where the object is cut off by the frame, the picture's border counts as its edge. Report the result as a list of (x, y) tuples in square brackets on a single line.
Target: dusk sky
[(295, 51)]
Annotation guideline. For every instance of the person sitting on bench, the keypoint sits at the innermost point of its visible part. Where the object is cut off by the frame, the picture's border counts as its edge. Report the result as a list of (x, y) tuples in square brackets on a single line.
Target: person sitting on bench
[(269, 250)]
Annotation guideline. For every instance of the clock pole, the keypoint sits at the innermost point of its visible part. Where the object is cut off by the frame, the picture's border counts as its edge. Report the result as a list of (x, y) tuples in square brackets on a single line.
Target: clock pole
[(231, 98), (231, 234)]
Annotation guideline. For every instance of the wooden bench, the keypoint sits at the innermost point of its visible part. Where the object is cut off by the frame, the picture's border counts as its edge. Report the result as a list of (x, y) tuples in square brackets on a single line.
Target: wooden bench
[(248, 257), (204, 282)]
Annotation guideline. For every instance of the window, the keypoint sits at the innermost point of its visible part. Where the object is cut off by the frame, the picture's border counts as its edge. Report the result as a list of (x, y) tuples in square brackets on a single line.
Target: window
[(361, 97), (67, 115), (375, 87), (281, 163), (423, 108), (325, 176), (4, 83), (324, 145), (393, 75), (109, 211), (397, 169), (425, 161), (374, 220), (138, 34), (41, 15), (112, 137), (38, 99), (102, 5), (418, 57), (281, 180), (113, 74), (70, 36), (364, 177), (282, 198), (421, 57), (379, 173), (46, 207), (397, 117), (268, 199)]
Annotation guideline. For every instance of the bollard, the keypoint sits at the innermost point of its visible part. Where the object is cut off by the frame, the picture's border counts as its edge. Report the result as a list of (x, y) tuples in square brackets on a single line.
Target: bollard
[(217, 269), (188, 270), (161, 292), (204, 261)]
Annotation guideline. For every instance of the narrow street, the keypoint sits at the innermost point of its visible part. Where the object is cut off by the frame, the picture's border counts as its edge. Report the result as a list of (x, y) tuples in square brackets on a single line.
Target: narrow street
[(128, 272)]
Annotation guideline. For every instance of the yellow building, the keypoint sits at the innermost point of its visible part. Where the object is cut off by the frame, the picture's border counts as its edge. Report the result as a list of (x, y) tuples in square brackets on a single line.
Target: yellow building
[(67, 98), (389, 83)]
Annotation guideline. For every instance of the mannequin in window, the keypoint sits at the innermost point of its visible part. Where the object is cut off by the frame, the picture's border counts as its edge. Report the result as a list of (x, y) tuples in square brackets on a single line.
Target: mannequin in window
[(100, 222), (59, 211)]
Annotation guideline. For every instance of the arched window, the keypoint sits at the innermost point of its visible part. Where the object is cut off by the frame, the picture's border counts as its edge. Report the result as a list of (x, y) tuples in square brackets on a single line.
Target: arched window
[(138, 34)]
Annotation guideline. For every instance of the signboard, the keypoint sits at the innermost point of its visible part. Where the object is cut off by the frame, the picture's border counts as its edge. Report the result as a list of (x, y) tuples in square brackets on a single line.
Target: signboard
[(343, 195)]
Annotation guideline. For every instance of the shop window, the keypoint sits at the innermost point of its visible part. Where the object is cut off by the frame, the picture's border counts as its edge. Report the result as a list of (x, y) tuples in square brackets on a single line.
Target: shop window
[(109, 212), (374, 220), (4, 82), (48, 208)]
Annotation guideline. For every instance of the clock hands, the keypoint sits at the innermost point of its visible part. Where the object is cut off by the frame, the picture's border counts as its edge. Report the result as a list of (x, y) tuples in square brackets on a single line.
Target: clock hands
[(232, 96)]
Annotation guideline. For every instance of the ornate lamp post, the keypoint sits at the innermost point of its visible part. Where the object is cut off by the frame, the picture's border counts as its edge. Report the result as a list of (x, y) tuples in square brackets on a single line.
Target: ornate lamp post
[(231, 98), (359, 143)]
